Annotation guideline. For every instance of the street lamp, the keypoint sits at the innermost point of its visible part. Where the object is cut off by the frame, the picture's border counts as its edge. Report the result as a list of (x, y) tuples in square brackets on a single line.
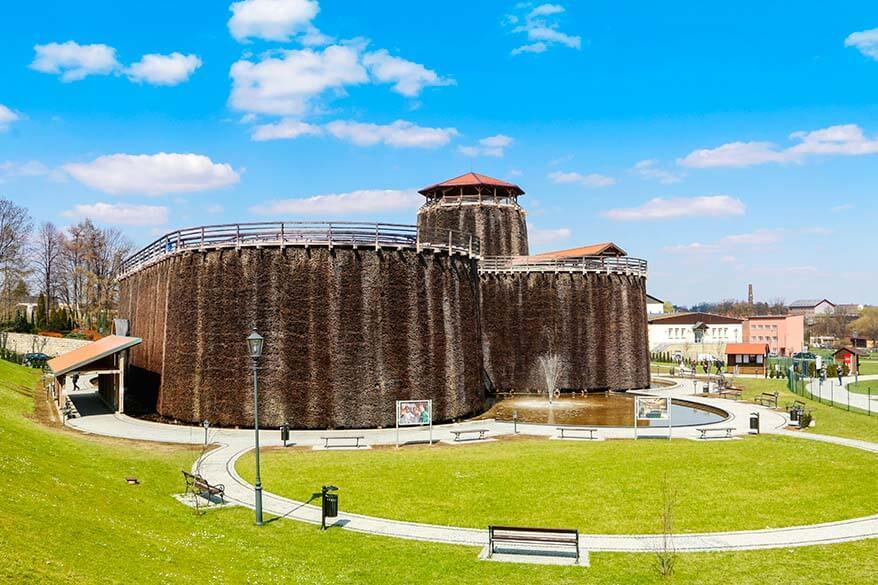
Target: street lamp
[(254, 348)]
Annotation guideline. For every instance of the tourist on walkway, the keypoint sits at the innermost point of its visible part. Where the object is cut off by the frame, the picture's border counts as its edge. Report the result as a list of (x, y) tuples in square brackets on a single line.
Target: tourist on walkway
[(75, 380)]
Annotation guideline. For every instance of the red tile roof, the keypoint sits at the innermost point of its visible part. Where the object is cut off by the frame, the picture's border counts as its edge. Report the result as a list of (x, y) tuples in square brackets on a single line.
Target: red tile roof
[(81, 357), (746, 348), (603, 249), (474, 180)]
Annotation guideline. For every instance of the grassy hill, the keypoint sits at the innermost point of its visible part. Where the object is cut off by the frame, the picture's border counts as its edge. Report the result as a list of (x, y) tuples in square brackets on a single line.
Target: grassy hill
[(67, 515)]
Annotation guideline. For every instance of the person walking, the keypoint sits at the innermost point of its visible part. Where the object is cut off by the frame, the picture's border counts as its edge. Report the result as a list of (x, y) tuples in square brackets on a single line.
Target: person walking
[(840, 374), (75, 380)]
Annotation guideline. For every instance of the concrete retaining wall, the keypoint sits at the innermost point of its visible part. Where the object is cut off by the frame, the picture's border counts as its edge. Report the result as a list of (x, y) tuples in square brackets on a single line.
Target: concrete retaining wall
[(51, 346)]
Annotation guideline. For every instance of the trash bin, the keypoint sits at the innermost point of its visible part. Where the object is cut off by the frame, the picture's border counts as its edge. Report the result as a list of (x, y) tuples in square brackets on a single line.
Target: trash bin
[(285, 433), (706, 389), (794, 414), (330, 505), (754, 423)]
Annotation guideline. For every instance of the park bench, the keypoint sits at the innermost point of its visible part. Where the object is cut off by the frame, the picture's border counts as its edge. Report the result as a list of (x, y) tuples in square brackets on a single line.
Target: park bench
[(568, 430), (520, 536), (731, 393), (200, 486), (481, 433), (355, 438), (726, 430), (767, 399)]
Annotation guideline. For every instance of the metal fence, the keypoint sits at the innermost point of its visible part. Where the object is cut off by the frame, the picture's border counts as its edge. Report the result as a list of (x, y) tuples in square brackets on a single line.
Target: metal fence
[(617, 264), (281, 234), (828, 391)]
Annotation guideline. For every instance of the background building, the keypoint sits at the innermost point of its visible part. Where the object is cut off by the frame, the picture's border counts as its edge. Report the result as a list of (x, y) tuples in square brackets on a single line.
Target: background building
[(784, 334), (654, 306), (694, 335)]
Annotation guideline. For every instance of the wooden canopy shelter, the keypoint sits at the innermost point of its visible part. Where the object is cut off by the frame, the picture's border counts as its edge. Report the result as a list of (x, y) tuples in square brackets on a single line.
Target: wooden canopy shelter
[(472, 188), (105, 358)]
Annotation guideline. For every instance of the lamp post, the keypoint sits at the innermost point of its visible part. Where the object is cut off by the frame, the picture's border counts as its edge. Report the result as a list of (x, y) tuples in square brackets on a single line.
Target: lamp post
[(254, 348)]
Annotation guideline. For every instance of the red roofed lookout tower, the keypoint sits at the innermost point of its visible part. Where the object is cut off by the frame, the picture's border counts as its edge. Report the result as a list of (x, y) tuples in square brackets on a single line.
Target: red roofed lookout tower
[(478, 205)]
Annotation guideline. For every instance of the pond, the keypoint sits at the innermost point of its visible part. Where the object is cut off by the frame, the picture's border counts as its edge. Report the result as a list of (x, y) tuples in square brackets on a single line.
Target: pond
[(598, 409)]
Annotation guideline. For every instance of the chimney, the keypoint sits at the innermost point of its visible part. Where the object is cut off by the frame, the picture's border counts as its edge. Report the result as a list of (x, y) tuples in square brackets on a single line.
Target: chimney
[(750, 294)]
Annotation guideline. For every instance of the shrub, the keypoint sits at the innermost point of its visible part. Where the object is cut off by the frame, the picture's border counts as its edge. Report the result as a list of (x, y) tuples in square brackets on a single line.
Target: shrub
[(805, 420)]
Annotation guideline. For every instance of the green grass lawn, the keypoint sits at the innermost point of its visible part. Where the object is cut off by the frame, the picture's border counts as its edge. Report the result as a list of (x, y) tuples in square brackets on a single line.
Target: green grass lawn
[(67, 516), (868, 366), (830, 420), (866, 387), (606, 487)]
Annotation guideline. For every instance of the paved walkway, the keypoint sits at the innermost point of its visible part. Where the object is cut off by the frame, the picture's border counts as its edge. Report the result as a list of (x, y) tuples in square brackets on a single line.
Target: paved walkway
[(218, 466), (830, 391)]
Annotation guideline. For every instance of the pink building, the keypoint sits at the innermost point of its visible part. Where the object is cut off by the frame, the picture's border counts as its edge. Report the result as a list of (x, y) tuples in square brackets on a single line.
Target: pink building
[(784, 334)]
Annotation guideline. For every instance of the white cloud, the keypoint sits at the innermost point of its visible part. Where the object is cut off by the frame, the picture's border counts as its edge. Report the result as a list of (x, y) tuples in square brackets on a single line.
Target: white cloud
[(547, 236), (649, 169), (163, 69), (490, 146), (660, 208), (844, 140), (535, 48), (272, 20), (121, 213), (286, 85), (74, 61), (590, 180), (866, 41), (408, 77), (758, 238), (354, 202), (399, 134), (842, 207), (541, 26), (214, 209), (31, 168), (154, 174), (693, 248), (7, 117), (847, 139), (734, 154), (285, 129)]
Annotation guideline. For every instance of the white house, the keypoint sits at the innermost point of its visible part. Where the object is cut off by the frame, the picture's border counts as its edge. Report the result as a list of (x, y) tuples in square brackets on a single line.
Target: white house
[(694, 335), (654, 306)]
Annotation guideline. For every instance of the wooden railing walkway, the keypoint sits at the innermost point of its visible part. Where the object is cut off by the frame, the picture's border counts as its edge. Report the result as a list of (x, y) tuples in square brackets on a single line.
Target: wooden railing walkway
[(302, 234), (606, 264)]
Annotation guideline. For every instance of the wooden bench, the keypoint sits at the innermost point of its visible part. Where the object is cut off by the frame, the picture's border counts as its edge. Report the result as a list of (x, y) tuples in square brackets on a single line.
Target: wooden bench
[(726, 430), (731, 392), (520, 535), (481, 433), (767, 399), (355, 438), (200, 486), (590, 432)]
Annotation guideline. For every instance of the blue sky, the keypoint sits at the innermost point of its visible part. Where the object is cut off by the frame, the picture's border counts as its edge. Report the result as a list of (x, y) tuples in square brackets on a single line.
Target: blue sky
[(725, 144)]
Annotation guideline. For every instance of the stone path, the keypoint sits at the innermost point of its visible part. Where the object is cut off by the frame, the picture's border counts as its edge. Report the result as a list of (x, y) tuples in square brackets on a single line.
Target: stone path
[(218, 466)]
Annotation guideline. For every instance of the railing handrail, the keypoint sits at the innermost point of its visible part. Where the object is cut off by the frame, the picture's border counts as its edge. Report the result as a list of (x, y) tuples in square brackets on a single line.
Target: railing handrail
[(293, 233), (626, 264)]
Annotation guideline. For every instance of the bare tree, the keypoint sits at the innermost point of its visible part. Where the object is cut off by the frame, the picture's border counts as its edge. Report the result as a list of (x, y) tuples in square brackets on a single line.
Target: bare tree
[(91, 259), (666, 555), (46, 257), (552, 367), (15, 226)]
